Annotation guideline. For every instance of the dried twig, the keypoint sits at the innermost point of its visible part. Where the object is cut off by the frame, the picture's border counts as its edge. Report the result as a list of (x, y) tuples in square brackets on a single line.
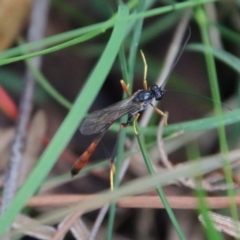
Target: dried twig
[(36, 31), (39, 231), (223, 224), (176, 202), (170, 58), (70, 222), (187, 182), (163, 155)]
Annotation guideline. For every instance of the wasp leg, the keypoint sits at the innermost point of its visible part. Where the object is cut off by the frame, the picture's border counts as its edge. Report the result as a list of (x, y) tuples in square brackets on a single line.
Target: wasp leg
[(125, 87), (161, 113), (112, 165), (131, 119), (134, 123), (145, 87), (112, 172)]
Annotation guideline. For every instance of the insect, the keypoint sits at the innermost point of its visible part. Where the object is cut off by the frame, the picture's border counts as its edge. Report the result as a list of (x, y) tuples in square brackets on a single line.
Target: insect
[(99, 121)]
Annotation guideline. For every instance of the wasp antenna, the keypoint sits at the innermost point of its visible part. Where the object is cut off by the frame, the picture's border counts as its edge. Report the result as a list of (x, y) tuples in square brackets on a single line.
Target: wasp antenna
[(200, 96), (178, 57)]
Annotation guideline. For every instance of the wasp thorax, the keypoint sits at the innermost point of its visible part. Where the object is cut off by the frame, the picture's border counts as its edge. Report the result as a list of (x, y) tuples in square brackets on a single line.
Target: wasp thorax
[(143, 96), (157, 92)]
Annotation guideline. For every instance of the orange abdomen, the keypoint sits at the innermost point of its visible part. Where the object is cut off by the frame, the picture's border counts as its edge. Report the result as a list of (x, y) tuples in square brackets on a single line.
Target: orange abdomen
[(82, 160)]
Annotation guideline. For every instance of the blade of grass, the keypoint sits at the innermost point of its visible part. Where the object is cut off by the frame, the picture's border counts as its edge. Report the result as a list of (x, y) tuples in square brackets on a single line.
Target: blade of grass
[(139, 186), (48, 87), (63, 36), (193, 153), (159, 189), (169, 8), (134, 44), (64, 178), (234, 138), (226, 57), (52, 49), (205, 123), (159, 27), (53, 40), (70, 123), (131, 63), (203, 209), (212, 75), (123, 65), (189, 126), (229, 34), (89, 32), (112, 208)]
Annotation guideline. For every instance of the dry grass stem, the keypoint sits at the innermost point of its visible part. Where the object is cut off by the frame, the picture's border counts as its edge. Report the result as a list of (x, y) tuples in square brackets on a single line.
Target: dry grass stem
[(188, 182), (38, 231), (71, 222), (223, 224), (170, 58), (176, 202)]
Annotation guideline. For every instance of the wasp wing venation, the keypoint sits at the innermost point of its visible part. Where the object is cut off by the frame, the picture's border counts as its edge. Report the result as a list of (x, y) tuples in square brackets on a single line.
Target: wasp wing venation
[(101, 120)]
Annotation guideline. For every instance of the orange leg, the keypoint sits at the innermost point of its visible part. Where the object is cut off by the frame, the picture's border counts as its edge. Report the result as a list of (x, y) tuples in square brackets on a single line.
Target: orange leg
[(145, 87), (112, 172), (125, 87), (161, 113), (112, 165), (134, 123)]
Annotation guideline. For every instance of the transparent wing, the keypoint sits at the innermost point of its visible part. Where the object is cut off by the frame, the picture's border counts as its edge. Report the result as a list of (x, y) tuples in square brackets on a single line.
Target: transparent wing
[(101, 120)]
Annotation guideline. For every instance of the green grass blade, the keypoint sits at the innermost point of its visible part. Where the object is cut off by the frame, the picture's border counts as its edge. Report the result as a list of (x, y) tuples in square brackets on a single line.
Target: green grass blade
[(89, 32), (193, 154), (48, 87), (205, 123), (189, 126), (53, 40), (212, 75), (169, 8), (70, 123), (52, 49), (229, 34), (159, 189), (131, 63), (135, 43), (141, 185), (225, 57)]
